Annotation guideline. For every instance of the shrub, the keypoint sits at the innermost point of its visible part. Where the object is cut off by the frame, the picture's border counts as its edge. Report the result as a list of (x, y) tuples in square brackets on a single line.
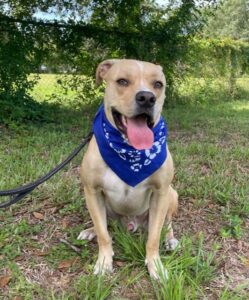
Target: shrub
[(78, 92)]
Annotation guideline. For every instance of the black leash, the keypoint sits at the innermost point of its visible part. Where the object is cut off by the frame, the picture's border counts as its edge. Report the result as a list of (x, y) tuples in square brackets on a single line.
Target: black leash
[(22, 191)]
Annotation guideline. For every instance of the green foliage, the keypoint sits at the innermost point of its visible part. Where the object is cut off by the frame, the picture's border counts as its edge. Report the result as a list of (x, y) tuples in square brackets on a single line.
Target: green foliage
[(210, 90), (19, 55), (211, 69), (230, 19), (189, 267), (200, 91), (16, 59), (92, 287), (18, 107), (79, 91), (85, 35), (214, 58), (129, 251), (234, 228)]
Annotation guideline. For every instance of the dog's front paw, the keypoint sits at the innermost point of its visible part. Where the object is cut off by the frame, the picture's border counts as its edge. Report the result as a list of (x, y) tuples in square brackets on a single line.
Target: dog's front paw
[(87, 234), (156, 269), (103, 265), (171, 244)]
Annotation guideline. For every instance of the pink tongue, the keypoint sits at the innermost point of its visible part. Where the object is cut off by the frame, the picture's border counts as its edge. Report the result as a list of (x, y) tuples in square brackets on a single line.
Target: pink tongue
[(140, 136)]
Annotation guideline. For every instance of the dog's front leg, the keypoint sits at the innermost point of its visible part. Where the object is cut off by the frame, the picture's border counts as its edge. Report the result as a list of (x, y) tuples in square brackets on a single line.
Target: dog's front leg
[(97, 209), (159, 206)]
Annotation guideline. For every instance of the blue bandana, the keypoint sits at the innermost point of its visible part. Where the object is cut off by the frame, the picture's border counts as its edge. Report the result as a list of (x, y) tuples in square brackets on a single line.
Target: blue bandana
[(131, 165)]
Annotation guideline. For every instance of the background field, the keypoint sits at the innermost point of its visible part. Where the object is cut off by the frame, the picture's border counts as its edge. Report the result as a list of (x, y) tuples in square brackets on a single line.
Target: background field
[(209, 143), (53, 87)]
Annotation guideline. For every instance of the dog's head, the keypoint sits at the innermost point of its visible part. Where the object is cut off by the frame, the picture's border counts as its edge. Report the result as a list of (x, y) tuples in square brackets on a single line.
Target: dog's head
[(134, 97)]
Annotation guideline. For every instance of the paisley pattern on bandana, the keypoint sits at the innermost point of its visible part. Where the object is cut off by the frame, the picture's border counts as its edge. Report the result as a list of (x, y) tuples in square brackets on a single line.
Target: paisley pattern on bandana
[(131, 165)]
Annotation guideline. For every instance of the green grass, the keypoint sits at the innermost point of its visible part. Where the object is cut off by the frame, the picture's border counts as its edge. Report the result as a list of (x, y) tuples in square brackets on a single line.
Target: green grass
[(217, 138), (211, 90), (210, 148), (45, 87)]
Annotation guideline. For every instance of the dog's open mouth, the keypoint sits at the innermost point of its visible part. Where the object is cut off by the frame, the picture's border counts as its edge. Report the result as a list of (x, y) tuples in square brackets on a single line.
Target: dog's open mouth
[(137, 129)]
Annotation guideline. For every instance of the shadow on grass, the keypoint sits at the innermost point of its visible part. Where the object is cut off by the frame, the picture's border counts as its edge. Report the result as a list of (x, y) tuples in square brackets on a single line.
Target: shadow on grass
[(26, 112)]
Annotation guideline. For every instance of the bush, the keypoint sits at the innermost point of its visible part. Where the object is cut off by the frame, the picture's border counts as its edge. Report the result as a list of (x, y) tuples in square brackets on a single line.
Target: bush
[(19, 55), (18, 108), (211, 90), (78, 92)]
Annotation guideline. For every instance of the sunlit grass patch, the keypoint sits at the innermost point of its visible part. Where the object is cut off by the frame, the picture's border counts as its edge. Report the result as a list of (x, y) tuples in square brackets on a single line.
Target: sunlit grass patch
[(45, 87)]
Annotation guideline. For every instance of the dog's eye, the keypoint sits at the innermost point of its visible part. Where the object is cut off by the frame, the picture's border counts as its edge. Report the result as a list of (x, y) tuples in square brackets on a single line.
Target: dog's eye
[(158, 84), (123, 82)]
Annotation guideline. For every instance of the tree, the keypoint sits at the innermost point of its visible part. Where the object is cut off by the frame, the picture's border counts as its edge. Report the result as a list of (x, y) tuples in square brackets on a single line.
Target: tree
[(89, 31), (231, 19)]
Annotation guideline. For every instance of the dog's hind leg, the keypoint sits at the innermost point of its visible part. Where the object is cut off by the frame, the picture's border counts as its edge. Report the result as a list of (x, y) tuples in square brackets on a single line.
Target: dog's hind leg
[(87, 234), (171, 242)]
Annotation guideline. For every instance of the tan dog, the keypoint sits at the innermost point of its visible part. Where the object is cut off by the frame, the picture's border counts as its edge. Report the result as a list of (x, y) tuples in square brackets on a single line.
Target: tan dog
[(132, 87)]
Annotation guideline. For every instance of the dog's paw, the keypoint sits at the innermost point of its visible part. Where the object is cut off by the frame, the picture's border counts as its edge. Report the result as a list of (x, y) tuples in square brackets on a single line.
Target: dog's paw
[(171, 244), (156, 269), (87, 234), (103, 265)]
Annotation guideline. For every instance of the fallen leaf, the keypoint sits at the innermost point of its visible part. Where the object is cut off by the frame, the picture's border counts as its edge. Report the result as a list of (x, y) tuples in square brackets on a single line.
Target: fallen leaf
[(205, 169), (120, 263), (64, 281), (65, 223), (40, 253), (245, 261), (19, 258), (53, 210), (67, 263), (4, 280), (38, 215), (18, 298)]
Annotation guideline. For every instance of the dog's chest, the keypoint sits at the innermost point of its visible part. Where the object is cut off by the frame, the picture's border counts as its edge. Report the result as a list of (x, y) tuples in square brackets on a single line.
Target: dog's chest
[(124, 199)]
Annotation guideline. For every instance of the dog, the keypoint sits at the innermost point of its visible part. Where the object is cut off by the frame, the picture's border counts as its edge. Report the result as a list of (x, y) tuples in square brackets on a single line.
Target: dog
[(112, 175)]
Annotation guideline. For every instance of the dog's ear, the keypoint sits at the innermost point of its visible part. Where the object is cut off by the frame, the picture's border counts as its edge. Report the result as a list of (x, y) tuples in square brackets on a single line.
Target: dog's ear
[(103, 68)]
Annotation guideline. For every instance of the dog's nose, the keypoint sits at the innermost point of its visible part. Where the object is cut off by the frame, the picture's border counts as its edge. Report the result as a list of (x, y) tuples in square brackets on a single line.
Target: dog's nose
[(145, 99)]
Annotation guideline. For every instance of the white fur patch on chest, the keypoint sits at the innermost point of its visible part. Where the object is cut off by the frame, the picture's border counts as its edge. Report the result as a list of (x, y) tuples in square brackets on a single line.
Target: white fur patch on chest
[(124, 199)]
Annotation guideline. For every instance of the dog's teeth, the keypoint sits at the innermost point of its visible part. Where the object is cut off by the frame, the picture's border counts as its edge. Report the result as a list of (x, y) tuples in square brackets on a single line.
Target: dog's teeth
[(124, 120)]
